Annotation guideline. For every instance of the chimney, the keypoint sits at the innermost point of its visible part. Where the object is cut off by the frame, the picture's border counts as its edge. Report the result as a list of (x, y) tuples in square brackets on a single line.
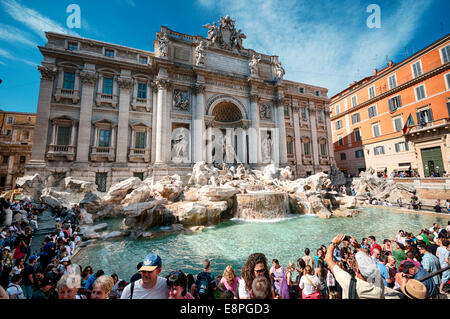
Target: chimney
[(375, 72), (391, 63)]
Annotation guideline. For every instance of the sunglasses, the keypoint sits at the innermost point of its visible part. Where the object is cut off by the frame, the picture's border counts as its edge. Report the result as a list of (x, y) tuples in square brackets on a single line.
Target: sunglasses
[(260, 271)]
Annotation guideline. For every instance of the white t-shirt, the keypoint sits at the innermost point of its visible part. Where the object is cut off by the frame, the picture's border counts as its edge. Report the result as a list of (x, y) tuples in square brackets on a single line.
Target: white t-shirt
[(364, 290), (306, 286), (14, 289), (243, 292), (159, 291)]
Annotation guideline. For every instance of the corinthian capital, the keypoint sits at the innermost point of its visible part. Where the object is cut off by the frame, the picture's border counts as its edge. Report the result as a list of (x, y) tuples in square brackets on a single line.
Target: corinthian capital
[(199, 88), (47, 72), (125, 82), (88, 77), (255, 98), (162, 84)]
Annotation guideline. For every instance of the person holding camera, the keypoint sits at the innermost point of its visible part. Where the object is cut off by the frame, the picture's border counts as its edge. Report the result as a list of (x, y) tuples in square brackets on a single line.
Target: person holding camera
[(367, 282)]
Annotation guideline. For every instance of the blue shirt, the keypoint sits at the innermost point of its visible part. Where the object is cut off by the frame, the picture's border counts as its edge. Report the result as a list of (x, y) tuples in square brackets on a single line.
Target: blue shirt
[(384, 272), (90, 281), (429, 283), (431, 264)]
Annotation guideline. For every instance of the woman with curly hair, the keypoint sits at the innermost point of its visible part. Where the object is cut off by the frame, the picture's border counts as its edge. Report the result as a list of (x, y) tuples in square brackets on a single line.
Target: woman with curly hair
[(229, 280), (256, 265)]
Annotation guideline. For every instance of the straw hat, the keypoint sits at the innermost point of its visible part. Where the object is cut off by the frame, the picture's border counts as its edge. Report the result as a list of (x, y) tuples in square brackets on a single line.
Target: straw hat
[(414, 289)]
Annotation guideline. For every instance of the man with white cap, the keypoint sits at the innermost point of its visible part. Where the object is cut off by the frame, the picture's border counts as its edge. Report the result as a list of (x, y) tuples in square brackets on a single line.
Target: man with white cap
[(151, 285), (369, 284)]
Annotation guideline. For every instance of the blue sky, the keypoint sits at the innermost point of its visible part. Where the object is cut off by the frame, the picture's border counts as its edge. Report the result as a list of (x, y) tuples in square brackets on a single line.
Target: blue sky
[(320, 42)]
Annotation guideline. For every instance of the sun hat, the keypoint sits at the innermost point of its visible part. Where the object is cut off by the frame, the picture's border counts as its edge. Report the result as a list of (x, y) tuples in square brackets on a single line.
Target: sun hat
[(414, 289), (367, 267), (150, 262), (7, 248)]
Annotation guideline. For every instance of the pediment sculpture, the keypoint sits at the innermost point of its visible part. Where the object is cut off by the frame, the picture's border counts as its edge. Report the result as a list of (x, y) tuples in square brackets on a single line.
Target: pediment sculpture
[(279, 71), (224, 35)]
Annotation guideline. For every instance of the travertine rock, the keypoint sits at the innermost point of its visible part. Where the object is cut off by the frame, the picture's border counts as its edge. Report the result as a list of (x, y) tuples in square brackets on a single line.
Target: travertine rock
[(118, 191), (75, 185)]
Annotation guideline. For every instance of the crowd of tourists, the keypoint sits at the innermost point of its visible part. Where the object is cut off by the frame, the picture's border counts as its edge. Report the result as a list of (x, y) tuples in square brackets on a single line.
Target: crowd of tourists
[(401, 267)]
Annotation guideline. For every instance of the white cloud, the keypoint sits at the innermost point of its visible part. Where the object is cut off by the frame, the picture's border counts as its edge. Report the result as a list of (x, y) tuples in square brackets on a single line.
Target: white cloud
[(12, 34), (7, 55), (33, 19), (323, 43)]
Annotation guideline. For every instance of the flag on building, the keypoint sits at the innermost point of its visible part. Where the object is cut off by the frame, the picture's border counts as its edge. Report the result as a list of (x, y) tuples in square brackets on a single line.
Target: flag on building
[(409, 122)]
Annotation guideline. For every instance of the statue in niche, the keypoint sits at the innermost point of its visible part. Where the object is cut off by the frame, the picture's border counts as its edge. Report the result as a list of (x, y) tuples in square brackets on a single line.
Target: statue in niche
[(163, 44), (253, 65), (265, 111), (180, 145), (266, 149), (181, 100), (279, 71), (200, 54)]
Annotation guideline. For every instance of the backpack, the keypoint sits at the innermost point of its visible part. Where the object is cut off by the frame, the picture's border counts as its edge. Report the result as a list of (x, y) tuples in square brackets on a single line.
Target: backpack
[(203, 287)]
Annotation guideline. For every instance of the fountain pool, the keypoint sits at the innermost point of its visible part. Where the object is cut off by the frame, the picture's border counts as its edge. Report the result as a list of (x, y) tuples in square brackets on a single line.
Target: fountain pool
[(233, 241)]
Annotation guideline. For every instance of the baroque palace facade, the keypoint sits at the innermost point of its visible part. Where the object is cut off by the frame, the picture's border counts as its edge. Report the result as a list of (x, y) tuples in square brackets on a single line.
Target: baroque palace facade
[(108, 112)]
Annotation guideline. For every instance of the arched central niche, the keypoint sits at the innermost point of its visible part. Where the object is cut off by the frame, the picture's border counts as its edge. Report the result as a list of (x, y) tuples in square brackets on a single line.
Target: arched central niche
[(226, 112)]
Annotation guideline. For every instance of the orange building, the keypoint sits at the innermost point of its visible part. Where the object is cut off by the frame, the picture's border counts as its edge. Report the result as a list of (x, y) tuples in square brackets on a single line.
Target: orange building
[(369, 117), (16, 140)]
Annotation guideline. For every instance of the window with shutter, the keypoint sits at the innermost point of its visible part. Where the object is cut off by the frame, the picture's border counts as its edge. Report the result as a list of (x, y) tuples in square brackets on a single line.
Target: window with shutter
[(445, 51), (63, 135), (417, 69), (140, 139), (69, 80), (392, 82), (104, 138), (108, 86)]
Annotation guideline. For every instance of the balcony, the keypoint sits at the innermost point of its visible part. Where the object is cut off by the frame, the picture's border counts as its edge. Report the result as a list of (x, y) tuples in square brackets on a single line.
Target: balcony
[(429, 127), (324, 160), (307, 159), (69, 94), (102, 154), (140, 104), (139, 155), (56, 152), (106, 99)]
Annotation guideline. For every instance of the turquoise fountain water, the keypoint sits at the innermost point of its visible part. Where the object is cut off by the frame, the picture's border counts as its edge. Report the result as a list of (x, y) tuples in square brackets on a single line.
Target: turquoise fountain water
[(232, 241)]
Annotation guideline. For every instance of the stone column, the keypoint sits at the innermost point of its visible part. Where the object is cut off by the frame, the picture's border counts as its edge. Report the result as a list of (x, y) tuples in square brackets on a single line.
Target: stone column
[(48, 73), (298, 142), (152, 146), (161, 126), (125, 83), (10, 169), (281, 126), (315, 146), (329, 134), (88, 77), (197, 125), (254, 136)]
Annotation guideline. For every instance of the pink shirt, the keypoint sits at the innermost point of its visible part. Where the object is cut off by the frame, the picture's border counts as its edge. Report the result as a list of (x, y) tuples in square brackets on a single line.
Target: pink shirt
[(228, 286)]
